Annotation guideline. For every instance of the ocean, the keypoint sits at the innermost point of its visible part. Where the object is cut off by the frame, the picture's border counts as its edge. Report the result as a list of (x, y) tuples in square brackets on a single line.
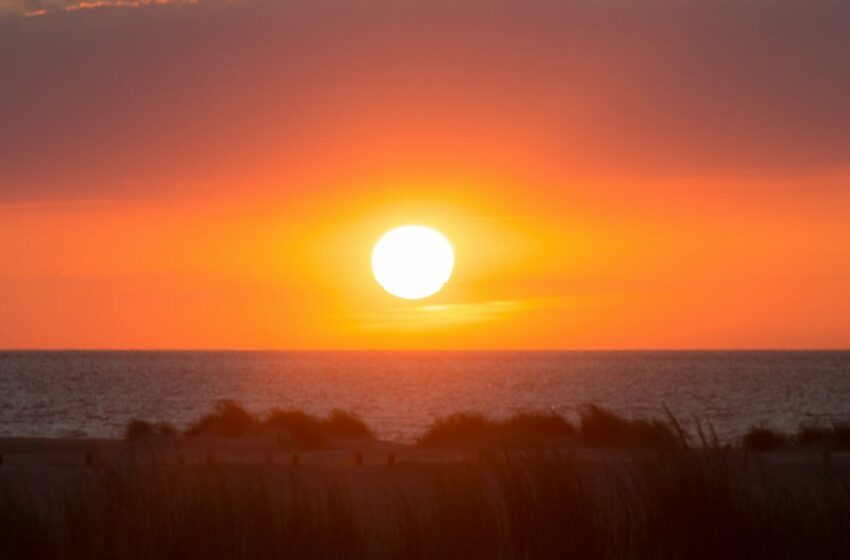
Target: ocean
[(94, 394)]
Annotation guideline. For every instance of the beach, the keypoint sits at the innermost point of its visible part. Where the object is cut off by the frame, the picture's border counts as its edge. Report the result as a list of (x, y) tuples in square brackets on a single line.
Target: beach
[(155, 497)]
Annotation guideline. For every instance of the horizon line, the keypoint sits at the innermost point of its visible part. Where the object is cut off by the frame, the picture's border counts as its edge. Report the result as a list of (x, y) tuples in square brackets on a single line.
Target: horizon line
[(429, 350)]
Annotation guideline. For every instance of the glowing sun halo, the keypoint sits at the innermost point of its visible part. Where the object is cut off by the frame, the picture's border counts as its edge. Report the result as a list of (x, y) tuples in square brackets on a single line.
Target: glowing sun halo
[(413, 262)]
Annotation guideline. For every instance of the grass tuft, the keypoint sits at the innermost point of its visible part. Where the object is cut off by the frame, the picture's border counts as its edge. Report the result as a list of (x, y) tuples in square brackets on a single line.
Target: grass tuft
[(600, 427), (836, 436), (139, 429), (809, 434), (305, 430), (762, 439), (343, 424), (841, 436), (458, 429), (539, 423), (687, 503), (230, 419)]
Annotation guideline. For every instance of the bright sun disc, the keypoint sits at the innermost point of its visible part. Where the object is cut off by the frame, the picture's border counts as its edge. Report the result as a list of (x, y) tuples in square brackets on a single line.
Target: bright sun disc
[(413, 262)]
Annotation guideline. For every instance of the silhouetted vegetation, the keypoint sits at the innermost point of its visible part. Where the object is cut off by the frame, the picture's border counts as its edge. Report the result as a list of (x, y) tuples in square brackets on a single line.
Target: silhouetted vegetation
[(685, 503), (602, 428), (841, 436), (312, 432), (458, 429), (598, 427), (342, 424), (24, 530), (836, 436), (137, 429), (302, 428), (809, 434), (230, 419), (762, 438), (519, 429), (538, 423)]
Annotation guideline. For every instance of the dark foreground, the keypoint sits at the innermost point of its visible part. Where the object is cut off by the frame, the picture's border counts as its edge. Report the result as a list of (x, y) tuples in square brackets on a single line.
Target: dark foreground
[(208, 498)]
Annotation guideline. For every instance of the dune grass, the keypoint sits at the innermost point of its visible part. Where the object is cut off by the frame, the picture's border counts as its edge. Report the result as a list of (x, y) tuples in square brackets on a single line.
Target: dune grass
[(664, 498), (459, 429), (835, 436), (682, 503), (231, 419), (809, 434), (138, 429), (763, 438), (545, 423), (598, 427), (519, 429), (200, 513), (342, 424), (313, 432)]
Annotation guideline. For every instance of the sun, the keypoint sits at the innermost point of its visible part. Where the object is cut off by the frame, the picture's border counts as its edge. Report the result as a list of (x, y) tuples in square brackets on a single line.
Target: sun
[(413, 262)]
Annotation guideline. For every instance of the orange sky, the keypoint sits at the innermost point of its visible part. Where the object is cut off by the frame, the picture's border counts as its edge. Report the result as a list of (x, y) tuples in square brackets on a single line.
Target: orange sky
[(215, 175)]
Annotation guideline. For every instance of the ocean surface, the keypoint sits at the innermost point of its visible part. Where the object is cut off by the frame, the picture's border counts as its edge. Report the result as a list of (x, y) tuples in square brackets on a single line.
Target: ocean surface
[(94, 394)]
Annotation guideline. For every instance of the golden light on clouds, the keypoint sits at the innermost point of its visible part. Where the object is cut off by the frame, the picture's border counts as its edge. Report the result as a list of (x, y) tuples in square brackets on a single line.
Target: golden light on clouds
[(48, 7), (217, 175)]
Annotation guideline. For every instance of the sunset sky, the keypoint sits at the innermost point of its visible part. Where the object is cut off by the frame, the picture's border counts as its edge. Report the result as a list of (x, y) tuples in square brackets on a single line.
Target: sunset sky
[(612, 175)]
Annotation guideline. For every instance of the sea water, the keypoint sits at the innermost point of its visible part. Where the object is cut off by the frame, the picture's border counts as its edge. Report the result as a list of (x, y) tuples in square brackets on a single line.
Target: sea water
[(94, 394)]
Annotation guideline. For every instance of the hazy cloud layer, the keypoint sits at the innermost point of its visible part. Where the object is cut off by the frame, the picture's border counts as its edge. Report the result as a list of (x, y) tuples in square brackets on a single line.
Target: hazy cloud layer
[(113, 99), (33, 8)]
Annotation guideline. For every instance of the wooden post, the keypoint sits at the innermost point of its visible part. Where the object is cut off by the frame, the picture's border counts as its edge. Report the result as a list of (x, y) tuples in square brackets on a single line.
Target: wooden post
[(391, 460), (209, 459), (181, 459), (358, 458), (270, 458), (296, 460), (91, 457), (1, 459)]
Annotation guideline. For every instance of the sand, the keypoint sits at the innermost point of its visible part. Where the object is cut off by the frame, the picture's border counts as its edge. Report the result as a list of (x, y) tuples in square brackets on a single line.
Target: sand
[(45, 461)]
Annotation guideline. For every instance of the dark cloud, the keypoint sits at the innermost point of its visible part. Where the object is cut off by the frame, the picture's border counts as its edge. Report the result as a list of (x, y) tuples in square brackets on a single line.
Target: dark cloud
[(117, 99)]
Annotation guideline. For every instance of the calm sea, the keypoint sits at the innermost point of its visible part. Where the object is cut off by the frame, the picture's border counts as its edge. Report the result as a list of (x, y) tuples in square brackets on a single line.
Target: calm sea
[(398, 394)]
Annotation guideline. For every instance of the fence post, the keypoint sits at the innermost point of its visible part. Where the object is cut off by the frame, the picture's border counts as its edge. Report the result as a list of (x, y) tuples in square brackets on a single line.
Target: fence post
[(358, 458), (391, 460)]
